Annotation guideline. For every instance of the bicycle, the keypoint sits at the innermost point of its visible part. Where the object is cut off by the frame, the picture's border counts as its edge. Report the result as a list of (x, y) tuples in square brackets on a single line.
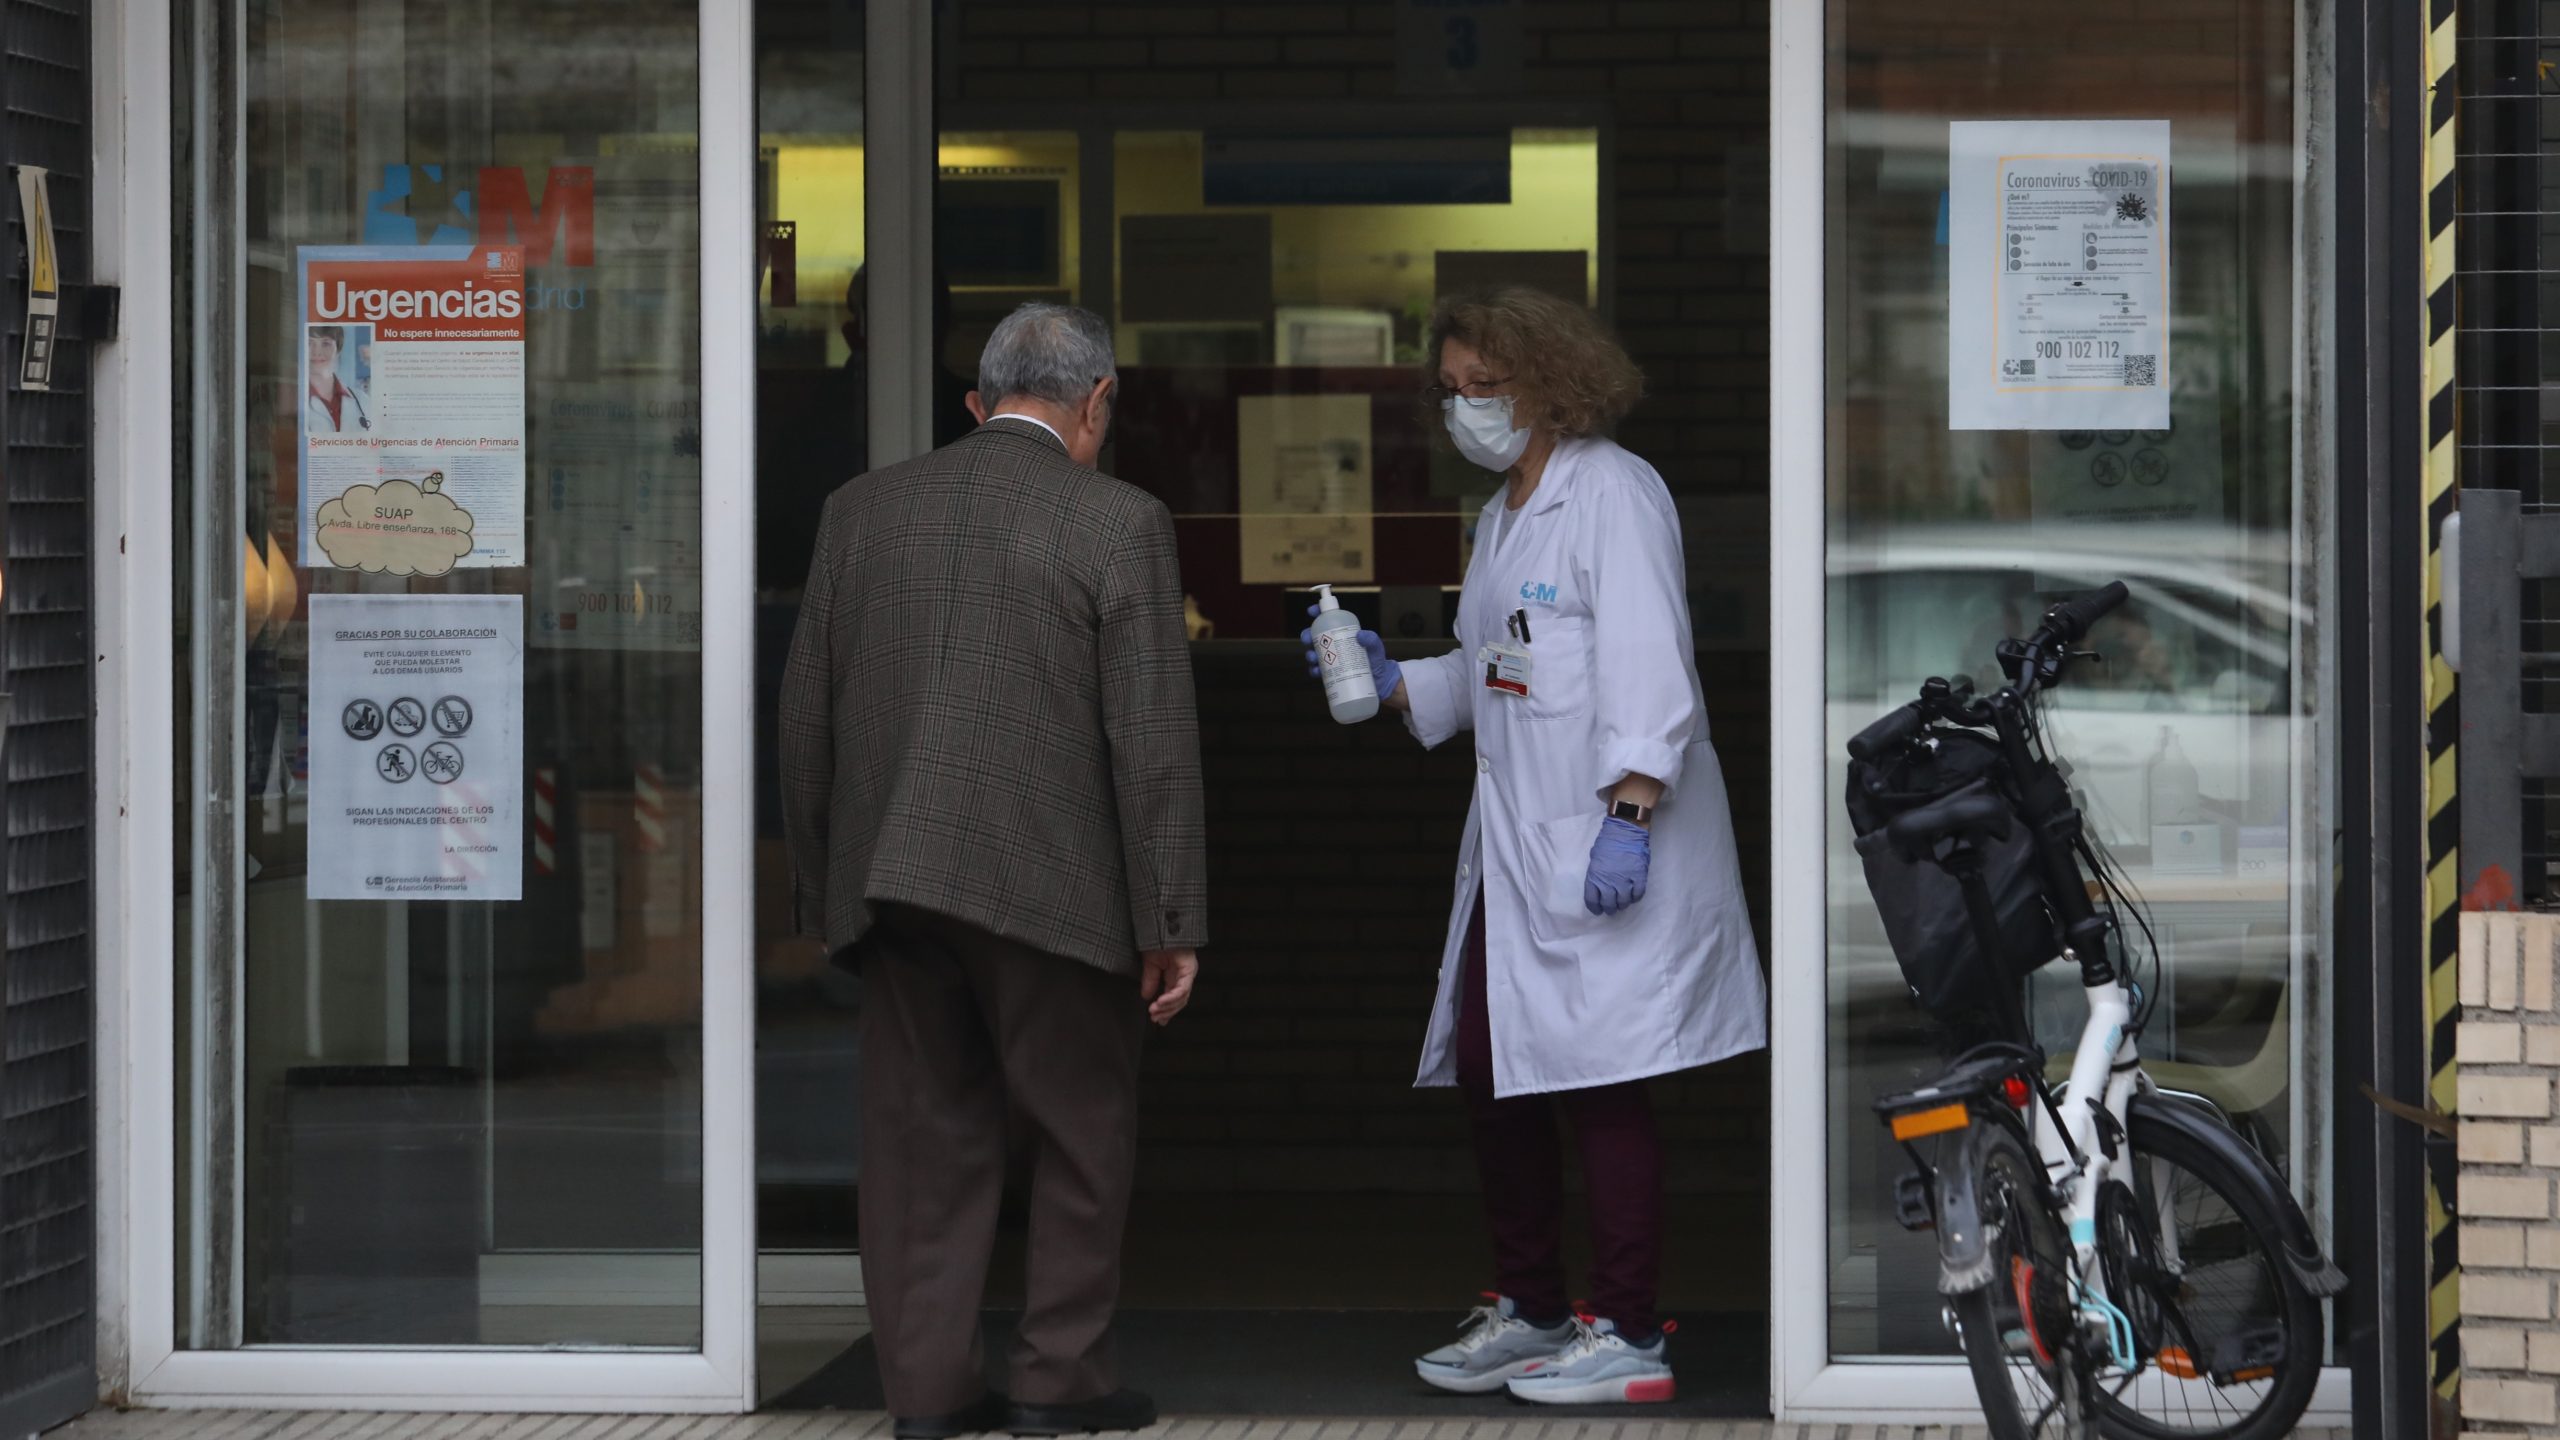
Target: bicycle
[(2110, 1253)]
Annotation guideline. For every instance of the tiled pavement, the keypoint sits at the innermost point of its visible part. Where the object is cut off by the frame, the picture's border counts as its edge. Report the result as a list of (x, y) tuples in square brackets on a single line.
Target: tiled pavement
[(308, 1425)]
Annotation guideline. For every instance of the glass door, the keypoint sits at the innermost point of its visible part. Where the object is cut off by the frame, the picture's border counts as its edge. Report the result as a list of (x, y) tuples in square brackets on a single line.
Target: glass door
[(456, 1095), (2047, 329)]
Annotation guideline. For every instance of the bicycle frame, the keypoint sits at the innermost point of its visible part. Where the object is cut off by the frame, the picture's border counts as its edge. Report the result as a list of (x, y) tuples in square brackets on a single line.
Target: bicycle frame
[(2077, 1162)]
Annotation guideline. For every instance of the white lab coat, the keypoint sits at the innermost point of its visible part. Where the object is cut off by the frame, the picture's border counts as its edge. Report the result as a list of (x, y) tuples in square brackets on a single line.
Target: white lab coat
[(354, 415), (1575, 999)]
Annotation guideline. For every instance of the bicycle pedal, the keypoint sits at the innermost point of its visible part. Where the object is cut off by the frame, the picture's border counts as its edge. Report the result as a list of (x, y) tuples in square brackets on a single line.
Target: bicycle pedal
[(1913, 1208)]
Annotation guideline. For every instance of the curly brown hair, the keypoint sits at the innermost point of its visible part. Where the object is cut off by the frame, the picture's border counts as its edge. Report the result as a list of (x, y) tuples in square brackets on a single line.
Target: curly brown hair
[(1566, 367)]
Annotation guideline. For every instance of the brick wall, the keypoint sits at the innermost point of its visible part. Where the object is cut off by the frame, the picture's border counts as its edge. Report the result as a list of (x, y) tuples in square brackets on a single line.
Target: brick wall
[(2508, 1046), (1333, 850)]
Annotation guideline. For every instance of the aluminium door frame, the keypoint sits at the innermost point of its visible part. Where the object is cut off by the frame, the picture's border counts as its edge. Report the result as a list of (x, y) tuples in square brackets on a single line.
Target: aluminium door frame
[(140, 802)]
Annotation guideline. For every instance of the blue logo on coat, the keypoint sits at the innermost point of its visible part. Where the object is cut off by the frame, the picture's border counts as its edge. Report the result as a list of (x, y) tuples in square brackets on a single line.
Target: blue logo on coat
[(1534, 590)]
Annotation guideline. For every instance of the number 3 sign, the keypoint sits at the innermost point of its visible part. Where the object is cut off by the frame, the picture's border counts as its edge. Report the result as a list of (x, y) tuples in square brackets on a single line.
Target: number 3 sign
[(1457, 47)]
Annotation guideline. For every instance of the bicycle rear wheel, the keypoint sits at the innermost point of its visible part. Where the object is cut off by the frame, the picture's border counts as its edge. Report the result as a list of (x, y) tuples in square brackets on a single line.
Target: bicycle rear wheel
[(2018, 1330), (2228, 1341)]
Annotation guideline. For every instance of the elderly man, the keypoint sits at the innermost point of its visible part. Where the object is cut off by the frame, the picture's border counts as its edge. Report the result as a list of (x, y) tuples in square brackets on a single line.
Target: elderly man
[(991, 779)]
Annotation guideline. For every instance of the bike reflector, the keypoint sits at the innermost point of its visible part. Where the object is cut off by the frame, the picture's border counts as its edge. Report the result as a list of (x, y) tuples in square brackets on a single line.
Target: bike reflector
[(1937, 1120)]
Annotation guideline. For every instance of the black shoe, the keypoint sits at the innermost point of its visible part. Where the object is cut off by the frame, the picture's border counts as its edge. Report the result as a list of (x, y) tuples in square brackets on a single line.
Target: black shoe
[(989, 1414), (1120, 1410)]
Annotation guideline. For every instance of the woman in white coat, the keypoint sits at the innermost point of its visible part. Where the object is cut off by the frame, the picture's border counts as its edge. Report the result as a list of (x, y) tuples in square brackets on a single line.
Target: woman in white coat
[(1598, 936)]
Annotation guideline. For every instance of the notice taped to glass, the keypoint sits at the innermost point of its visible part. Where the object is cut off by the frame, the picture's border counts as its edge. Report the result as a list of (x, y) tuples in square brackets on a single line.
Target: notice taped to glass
[(2058, 275), (417, 747), (412, 434)]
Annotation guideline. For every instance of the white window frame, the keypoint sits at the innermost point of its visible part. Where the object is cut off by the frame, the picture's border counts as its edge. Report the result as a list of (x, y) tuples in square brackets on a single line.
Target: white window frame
[(1806, 1384), (139, 804)]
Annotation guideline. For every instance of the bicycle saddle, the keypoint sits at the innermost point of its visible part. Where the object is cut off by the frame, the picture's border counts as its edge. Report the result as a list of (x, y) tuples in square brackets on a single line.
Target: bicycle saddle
[(1969, 812)]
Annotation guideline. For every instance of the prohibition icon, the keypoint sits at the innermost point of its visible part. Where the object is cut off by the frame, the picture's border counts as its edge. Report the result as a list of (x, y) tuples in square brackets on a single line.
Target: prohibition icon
[(407, 717), (442, 762), (395, 764), (362, 719), (452, 717)]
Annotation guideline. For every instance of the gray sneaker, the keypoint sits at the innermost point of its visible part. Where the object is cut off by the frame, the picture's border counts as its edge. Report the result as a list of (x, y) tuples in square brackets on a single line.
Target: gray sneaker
[(1599, 1368), (1497, 1345)]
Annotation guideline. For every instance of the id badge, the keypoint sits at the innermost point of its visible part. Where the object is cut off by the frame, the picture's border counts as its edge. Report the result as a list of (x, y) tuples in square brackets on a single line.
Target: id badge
[(1506, 667)]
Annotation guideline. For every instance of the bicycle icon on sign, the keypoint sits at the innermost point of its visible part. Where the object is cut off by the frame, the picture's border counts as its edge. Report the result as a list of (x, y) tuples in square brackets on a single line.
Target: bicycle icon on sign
[(442, 763)]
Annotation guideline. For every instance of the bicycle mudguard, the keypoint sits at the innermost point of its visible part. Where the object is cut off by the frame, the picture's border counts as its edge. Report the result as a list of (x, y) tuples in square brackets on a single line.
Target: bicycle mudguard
[(1964, 1251), (2267, 1189)]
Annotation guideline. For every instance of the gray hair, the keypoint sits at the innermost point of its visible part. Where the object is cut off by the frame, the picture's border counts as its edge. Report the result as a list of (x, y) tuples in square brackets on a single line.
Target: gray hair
[(1046, 352)]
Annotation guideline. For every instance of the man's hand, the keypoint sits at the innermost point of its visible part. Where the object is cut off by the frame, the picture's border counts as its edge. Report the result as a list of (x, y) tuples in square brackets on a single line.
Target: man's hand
[(1164, 982)]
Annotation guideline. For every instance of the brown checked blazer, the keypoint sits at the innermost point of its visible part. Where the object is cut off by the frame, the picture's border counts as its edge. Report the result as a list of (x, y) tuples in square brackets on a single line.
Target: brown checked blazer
[(988, 711)]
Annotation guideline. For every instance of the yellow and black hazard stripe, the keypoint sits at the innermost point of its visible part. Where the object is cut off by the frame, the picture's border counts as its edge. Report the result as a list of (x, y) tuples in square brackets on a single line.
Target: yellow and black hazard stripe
[(2444, 714)]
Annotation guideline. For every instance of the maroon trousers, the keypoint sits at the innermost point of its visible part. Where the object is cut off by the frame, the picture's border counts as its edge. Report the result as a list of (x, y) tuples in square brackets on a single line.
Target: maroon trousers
[(1521, 1162)]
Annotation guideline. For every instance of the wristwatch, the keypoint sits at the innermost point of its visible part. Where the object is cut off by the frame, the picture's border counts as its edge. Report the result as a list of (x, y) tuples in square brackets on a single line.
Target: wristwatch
[(1630, 811)]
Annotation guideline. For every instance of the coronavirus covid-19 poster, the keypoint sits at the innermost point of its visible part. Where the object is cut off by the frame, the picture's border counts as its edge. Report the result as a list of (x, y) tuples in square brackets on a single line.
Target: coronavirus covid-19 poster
[(2058, 275), (412, 434)]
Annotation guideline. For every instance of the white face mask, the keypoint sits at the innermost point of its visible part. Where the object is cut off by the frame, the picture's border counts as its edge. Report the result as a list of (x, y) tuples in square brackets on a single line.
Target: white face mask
[(1482, 430)]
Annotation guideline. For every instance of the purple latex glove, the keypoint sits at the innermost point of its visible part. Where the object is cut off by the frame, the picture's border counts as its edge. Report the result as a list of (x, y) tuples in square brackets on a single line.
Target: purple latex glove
[(1385, 672), (1620, 859)]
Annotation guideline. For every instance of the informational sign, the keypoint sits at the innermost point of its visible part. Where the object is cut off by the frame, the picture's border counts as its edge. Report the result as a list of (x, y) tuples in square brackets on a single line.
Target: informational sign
[(2138, 476), (417, 766), (412, 436), (2058, 275), (618, 559), (44, 278), (1304, 489)]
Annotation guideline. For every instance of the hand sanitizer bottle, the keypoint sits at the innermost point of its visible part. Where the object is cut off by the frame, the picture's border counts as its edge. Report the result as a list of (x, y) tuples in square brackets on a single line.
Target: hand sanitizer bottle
[(1348, 689)]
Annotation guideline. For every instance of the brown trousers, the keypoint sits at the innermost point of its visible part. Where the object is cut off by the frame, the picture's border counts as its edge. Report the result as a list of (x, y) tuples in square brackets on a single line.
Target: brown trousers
[(961, 1029)]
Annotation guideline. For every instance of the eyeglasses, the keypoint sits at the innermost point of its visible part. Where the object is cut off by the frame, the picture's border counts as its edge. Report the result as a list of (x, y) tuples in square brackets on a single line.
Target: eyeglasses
[(1473, 390)]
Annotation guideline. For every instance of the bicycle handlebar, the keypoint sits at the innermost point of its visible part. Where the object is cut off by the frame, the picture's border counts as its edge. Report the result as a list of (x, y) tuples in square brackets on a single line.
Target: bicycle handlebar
[(1889, 733), (2032, 663), (2068, 621)]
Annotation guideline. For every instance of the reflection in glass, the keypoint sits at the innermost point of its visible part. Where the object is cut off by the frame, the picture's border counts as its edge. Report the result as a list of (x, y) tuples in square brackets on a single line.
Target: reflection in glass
[(464, 1121), (812, 435), (2195, 747)]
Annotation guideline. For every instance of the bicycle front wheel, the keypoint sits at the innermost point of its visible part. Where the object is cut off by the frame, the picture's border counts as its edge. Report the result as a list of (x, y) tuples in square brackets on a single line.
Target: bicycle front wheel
[(2227, 1341)]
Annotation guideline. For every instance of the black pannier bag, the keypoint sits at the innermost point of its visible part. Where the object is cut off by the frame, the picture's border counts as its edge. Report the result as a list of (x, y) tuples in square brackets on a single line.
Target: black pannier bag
[(1923, 908)]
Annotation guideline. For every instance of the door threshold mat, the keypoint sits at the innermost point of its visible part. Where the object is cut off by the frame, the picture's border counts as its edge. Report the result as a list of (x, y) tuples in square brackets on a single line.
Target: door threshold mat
[(1332, 1362)]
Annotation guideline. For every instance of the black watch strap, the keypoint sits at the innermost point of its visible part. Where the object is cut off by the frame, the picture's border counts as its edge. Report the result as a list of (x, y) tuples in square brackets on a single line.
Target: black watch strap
[(1630, 811)]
